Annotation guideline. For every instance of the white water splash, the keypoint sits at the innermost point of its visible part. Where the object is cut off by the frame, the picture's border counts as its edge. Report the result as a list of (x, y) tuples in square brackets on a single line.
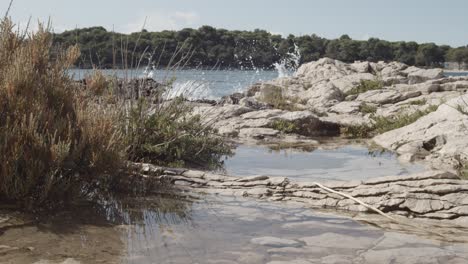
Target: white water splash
[(191, 90), (147, 74), (288, 66)]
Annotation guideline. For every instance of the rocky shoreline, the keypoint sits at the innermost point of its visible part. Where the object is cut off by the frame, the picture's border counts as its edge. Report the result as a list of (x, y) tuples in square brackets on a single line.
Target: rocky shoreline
[(328, 97), (430, 195)]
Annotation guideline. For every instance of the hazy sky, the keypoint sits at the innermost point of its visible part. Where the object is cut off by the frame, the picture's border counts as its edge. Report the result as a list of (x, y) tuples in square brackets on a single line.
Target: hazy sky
[(442, 22)]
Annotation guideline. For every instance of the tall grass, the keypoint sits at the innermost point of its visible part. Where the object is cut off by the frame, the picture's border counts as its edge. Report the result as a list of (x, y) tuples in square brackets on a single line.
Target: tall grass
[(51, 139), (61, 140), (167, 134), (161, 129)]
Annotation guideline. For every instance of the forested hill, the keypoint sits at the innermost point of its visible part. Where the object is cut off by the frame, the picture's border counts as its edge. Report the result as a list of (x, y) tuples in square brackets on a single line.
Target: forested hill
[(235, 49)]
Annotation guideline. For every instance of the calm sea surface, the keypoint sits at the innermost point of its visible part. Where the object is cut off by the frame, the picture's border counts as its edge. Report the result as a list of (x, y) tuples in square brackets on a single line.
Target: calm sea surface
[(206, 84), (209, 84)]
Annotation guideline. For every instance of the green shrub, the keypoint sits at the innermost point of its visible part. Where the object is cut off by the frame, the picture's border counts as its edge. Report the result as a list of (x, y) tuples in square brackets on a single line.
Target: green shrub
[(284, 126), (366, 85), (383, 124), (166, 134), (418, 102), (53, 144), (367, 108)]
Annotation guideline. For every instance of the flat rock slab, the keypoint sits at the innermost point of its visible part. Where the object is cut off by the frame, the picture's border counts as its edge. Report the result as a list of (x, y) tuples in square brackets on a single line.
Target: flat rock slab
[(295, 261), (334, 240), (275, 242), (426, 255), (433, 194), (258, 132)]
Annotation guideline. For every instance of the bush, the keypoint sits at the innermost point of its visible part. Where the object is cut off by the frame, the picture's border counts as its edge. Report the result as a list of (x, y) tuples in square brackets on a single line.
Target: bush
[(366, 85), (97, 83), (367, 108), (52, 142), (418, 102), (284, 126), (383, 124), (166, 134)]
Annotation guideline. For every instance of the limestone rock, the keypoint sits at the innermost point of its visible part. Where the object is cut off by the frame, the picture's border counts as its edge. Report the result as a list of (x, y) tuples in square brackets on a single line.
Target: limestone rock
[(386, 96), (251, 102), (322, 94), (426, 255), (350, 81), (258, 133), (275, 242), (447, 123), (262, 114), (294, 261), (422, 75), (346, 107), (334, 240), (361, 67)]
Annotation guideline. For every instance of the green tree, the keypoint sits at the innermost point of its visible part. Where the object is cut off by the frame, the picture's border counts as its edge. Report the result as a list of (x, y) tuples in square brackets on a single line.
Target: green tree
[(429, 54)]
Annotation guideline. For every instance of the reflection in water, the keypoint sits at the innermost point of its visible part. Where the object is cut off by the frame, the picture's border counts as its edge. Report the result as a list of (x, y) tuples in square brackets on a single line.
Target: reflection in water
[(107, 232), (210, 84), (174, 227), (147, 223), (351, 162), (214, 229), (169, 208)]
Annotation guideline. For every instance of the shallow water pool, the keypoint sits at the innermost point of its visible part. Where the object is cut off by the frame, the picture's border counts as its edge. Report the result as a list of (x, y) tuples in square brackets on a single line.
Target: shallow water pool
[(220, 230), (197, 228), (352, 162)]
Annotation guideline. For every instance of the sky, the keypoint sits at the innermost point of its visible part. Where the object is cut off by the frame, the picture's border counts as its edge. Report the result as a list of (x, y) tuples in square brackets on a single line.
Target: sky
[(442, 22)]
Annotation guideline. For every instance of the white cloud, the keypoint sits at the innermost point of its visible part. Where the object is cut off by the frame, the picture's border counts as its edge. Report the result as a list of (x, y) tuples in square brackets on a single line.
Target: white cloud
[(157, 21)]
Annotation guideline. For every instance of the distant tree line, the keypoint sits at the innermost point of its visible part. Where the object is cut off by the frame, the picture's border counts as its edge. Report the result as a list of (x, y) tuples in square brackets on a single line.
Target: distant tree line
[(210, 47)]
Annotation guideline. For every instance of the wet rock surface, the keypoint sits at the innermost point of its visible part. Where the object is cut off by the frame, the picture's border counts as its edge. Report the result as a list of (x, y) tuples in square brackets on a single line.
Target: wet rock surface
[(437, 195), (226, 229)]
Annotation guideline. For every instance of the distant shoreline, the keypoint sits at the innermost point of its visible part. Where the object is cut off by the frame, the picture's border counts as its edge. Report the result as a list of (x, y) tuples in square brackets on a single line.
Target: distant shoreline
[(243, 49)]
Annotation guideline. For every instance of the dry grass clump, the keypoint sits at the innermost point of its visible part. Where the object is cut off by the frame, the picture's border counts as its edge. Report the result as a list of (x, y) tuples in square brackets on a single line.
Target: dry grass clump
[(96, 82), (52, 142), (60, 140)]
